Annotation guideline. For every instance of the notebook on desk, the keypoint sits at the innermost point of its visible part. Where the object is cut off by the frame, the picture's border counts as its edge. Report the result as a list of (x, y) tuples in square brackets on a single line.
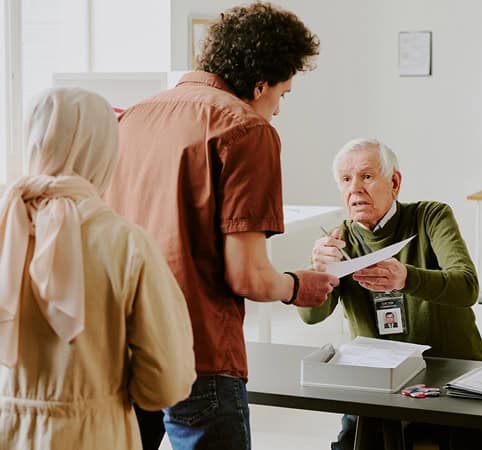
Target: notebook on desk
[(469, 385)]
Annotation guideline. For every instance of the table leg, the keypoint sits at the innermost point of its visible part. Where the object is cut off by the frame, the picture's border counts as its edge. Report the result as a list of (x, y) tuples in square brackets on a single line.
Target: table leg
[(393, 435), (368, 428)]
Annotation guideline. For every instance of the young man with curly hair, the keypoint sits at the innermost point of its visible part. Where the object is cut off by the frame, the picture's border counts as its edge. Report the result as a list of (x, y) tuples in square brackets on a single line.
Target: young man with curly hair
[(200, 170)]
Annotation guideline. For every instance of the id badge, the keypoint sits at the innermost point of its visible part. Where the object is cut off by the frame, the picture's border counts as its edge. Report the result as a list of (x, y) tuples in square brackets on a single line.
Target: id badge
[(390, 313)]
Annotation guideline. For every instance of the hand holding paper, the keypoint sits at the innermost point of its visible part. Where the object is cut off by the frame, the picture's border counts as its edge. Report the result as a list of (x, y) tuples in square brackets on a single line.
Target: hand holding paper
[(385, 276), (342, 268)]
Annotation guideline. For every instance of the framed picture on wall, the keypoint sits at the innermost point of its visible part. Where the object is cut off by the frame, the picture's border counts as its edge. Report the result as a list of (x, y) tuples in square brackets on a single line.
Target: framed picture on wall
[(415, 53), (198, 28)]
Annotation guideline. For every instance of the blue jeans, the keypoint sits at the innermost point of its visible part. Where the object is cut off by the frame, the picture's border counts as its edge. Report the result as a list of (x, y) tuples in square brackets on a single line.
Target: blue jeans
[(346, 436), (215, 416)]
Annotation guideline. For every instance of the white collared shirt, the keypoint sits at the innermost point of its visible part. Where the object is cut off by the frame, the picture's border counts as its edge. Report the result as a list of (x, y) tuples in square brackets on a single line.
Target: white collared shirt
[(390, 213)]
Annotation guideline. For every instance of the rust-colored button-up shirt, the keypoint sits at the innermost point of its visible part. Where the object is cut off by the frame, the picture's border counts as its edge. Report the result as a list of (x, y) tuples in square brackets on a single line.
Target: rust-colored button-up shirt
[(196, 163)]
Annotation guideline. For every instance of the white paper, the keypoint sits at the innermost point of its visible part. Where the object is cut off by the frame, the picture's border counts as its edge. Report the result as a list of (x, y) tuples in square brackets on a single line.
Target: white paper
[(371, 352), (414, 53), (342, 268)]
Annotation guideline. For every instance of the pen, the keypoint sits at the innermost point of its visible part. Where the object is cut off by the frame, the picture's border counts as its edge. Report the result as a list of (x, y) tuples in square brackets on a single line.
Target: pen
[(345, 254)]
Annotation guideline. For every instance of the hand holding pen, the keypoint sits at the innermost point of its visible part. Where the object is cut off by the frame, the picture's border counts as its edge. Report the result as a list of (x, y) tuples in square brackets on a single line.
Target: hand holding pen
[(328, 249), (337, 231)]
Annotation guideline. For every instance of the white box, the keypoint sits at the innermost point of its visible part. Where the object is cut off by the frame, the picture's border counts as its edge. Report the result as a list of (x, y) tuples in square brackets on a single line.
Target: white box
[(121, 89), (314, 372)]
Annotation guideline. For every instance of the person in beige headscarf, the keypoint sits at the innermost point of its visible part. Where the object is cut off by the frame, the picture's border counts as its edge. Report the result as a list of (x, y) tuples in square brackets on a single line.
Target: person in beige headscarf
[(91, 317)]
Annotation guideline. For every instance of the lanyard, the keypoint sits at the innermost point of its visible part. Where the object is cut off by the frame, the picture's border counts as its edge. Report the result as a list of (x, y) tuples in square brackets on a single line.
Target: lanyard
[(385, 302), (359, 238), (365, 248)]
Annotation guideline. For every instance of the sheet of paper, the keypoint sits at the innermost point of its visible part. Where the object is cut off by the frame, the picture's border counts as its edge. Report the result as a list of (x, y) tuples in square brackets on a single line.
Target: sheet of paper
[(371, 352), (342, 268), (415, 52)]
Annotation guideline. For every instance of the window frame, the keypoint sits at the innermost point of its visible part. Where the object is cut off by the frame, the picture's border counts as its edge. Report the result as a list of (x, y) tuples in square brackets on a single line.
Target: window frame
[(14, 154)]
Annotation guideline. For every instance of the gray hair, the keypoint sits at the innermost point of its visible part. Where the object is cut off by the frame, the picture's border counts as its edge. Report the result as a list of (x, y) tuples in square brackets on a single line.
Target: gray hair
[(388, 159)]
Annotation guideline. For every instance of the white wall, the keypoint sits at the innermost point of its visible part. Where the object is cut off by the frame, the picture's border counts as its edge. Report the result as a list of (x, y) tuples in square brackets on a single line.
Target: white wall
[(131, 36), (333, 103), (73, 39), (433, 123)]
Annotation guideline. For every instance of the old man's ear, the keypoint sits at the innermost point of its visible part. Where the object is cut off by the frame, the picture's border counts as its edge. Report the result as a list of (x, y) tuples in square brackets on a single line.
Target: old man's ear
[(396, 182)]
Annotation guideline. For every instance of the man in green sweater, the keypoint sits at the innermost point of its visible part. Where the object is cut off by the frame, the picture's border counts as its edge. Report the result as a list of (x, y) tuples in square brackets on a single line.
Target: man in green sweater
[(430, 286)]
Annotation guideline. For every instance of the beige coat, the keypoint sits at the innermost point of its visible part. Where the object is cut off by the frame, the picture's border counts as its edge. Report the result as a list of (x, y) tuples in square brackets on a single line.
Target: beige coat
[(136, 345)]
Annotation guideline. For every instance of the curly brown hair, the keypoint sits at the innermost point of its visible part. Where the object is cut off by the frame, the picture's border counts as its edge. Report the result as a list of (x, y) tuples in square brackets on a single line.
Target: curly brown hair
[(257, 42)]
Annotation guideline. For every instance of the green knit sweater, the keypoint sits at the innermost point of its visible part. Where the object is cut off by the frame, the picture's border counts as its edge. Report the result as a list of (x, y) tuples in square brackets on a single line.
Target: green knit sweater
[(440, 289)]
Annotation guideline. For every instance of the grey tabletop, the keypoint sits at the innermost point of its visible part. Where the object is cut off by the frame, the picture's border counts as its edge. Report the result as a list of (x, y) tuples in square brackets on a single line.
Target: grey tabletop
[(274, 380)]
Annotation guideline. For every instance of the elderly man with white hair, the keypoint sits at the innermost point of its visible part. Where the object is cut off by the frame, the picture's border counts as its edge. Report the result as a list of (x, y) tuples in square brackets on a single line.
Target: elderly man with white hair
[(430, 285)]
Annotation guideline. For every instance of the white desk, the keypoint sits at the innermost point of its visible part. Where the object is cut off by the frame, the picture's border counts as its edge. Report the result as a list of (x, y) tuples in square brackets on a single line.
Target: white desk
[(291, 251), (300, 217)]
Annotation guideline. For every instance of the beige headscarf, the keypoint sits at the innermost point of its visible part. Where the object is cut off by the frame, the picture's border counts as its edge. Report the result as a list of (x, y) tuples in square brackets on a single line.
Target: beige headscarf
[(72, 138)]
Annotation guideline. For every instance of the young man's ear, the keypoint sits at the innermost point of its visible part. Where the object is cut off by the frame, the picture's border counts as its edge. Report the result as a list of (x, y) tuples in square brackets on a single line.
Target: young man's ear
[(259, 89)]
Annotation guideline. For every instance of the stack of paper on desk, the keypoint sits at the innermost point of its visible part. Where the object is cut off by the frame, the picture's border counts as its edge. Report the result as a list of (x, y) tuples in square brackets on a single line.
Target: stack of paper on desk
[(364, 363), (468, 385)]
